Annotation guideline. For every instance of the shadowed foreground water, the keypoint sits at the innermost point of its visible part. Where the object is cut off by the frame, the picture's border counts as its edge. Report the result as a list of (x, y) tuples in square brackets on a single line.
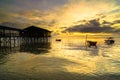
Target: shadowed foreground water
[(65, 60)]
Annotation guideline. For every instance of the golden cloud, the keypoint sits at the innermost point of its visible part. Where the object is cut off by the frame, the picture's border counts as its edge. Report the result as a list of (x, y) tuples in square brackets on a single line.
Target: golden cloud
[(68, 14)]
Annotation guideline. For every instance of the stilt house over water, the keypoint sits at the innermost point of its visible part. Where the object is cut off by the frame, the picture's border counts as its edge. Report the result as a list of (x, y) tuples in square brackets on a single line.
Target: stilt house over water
[(9, 32), (34, 31)]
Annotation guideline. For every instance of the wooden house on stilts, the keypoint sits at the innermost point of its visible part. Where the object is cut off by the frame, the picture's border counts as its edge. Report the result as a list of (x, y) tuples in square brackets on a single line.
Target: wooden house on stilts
[(30, 34), (35, 34), (34, 31), (8, 35)]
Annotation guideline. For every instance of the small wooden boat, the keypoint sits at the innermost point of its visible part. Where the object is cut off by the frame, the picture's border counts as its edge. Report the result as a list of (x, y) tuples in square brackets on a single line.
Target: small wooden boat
[(109, 41), (91, 43), (58, 39)]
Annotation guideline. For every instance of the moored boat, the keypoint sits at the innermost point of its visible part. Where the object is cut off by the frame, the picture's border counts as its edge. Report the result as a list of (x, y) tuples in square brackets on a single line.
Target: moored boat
[(109, 41), (58, 39), (92, 43)]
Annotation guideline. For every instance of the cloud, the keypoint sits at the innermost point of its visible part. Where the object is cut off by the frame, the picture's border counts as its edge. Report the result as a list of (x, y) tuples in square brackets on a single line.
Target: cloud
[(77, 10), (13, 19), (117, 21), (92, 26), (57, 13), (15, 25), (5, 15), (23, 5), (107, 23)]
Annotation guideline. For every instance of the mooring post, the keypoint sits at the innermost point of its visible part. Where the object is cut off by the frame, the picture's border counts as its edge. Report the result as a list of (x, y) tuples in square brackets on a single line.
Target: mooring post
[(86, 41)]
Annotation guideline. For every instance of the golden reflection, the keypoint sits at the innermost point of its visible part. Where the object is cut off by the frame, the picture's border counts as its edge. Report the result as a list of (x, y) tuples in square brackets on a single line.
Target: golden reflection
[(87, 61), (69, 55)]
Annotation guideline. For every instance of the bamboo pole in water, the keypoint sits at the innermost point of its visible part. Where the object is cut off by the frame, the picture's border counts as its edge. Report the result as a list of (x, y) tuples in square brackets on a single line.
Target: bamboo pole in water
[(86, 41)]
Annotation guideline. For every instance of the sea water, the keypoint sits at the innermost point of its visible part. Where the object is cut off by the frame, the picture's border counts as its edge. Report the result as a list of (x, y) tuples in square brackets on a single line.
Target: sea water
[(68, 59)]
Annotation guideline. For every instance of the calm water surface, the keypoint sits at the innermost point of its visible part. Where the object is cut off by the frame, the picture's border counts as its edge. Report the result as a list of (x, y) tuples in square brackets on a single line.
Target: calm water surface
[(68, 59)]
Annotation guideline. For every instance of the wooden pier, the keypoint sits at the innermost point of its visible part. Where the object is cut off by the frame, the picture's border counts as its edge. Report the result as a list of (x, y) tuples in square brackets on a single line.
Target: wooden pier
[(12, 36)]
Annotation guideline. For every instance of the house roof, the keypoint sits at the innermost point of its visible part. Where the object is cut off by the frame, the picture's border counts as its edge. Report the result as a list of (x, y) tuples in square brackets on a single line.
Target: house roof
[(9, 28), (34, 28)]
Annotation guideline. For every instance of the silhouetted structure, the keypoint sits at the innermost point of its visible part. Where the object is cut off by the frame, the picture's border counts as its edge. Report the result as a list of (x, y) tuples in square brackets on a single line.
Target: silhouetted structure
[(9, 32), (8, 36), (12, 36), (91, 43), (109, 41), (34, 31), (58, 39)]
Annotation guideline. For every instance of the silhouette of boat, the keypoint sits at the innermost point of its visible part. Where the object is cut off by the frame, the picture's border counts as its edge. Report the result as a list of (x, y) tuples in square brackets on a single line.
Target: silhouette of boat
[(109, 41), (58, 39), (91, 43)]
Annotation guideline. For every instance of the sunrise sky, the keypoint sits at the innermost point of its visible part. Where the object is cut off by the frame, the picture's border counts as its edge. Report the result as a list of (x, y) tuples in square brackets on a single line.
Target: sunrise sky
[(92, 16)]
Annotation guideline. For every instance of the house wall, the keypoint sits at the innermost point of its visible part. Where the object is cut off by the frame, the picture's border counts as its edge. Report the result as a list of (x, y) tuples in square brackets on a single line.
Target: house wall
[(8, 33)]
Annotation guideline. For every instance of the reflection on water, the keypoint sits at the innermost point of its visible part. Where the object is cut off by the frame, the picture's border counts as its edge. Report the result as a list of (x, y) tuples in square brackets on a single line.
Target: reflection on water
[(36, 48), (65, 60)]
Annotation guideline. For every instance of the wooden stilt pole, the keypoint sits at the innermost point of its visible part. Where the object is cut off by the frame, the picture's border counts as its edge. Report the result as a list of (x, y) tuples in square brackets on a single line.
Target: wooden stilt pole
[(86, 41)]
